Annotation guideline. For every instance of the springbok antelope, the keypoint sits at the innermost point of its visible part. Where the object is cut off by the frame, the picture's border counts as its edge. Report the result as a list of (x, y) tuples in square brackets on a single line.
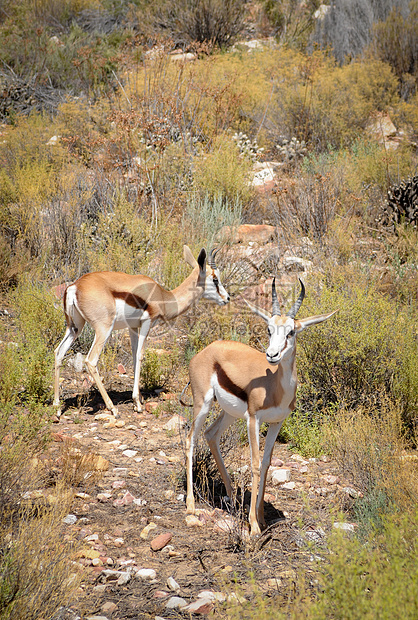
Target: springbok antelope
[(111, 300), (248, 385)]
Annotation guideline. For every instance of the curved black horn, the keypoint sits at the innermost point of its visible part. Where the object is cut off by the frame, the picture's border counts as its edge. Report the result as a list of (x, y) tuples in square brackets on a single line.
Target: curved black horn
[(211, 259), (276, 306), (294, 309)]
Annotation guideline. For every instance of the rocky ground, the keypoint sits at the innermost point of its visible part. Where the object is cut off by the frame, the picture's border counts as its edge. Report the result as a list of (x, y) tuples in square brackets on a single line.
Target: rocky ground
[(140, 556)]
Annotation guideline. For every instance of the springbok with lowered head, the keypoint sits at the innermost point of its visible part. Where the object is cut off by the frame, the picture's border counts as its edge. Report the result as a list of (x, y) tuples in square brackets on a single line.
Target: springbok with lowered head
[(110, 301), (248, 385)]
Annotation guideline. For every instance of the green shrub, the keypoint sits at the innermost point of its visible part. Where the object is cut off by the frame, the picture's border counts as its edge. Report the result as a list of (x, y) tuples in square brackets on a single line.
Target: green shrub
[(373, 580), (366, 350), (212, 21), (156, 367), (223, 172), (205, 216), (40, 326)]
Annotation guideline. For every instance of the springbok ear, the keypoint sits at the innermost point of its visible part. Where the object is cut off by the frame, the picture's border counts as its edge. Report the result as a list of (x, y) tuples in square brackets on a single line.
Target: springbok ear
[(264, 314), (201, 259), (188, 256), (301, 324)]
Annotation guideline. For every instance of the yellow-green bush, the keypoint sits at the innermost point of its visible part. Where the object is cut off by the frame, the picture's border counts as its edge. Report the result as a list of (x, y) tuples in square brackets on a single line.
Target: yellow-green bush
[(366, 350), (223, 171)]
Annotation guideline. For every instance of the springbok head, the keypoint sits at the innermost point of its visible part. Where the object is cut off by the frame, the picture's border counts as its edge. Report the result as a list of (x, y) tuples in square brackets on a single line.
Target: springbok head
[(282, 328), (209, 277)]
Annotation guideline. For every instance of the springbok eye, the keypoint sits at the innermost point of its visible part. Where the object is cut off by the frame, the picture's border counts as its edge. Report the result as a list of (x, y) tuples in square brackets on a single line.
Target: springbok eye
[(291, 333), (215, 280), (270, 330)]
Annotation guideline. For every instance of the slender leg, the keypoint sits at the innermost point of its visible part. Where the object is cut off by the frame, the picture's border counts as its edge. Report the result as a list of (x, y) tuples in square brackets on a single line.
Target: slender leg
[(101, 335), (253, 436), (271, 437), (200, 411), (71, 334), (213, 436), (138, 338)]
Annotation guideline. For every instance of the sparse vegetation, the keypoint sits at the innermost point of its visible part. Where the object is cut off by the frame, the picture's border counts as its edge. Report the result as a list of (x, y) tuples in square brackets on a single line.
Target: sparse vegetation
[(114, 153)]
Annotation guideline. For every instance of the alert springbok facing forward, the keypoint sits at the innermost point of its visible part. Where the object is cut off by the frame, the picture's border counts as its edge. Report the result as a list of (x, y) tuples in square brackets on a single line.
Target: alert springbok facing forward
[(248, 385), (111, 300)]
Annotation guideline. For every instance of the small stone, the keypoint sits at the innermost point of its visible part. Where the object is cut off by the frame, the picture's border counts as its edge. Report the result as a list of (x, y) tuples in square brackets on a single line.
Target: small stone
[(213, 596), (103, 497), (172, 584), (119, 484), (120, 423), (104, 417), (346, 527), (109, 607), (289, 486), (130, 453), (304, 469), (279, 476), (160, 594), (97, 562), (146, 574), (352, 492), (69, 519), (329, 479), (147, 529), (124, 577), (169, 494), (202, 606), (118, 542), (273, 582), (175, 602), (161, 541), (225, 524), (121, 369), (175, 423)]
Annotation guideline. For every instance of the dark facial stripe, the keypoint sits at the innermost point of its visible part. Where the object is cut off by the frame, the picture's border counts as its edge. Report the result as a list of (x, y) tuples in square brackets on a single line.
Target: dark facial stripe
[(215, 282), (131, 299), (228, 385)]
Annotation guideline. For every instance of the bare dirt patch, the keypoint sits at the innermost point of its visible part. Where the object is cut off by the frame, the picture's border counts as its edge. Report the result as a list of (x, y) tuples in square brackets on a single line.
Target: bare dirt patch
[(143, 485)]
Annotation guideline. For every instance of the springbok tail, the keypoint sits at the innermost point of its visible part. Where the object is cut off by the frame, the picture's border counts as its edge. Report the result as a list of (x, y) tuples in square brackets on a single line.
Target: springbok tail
[(181, 396)]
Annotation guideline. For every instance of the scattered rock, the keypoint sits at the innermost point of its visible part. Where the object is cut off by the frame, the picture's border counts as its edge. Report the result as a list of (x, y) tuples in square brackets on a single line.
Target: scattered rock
[(175, 602), (118, 542), (161, 541), (213, 596), (126, 500), (121, 369), (118, 484), (352, 492), (172, 584), (278, 476), (347, 527), (146, 574), (147, 529), (202, 606), (109, 607), (175, 423), (103, 497), (289, 486), (69, 519)]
